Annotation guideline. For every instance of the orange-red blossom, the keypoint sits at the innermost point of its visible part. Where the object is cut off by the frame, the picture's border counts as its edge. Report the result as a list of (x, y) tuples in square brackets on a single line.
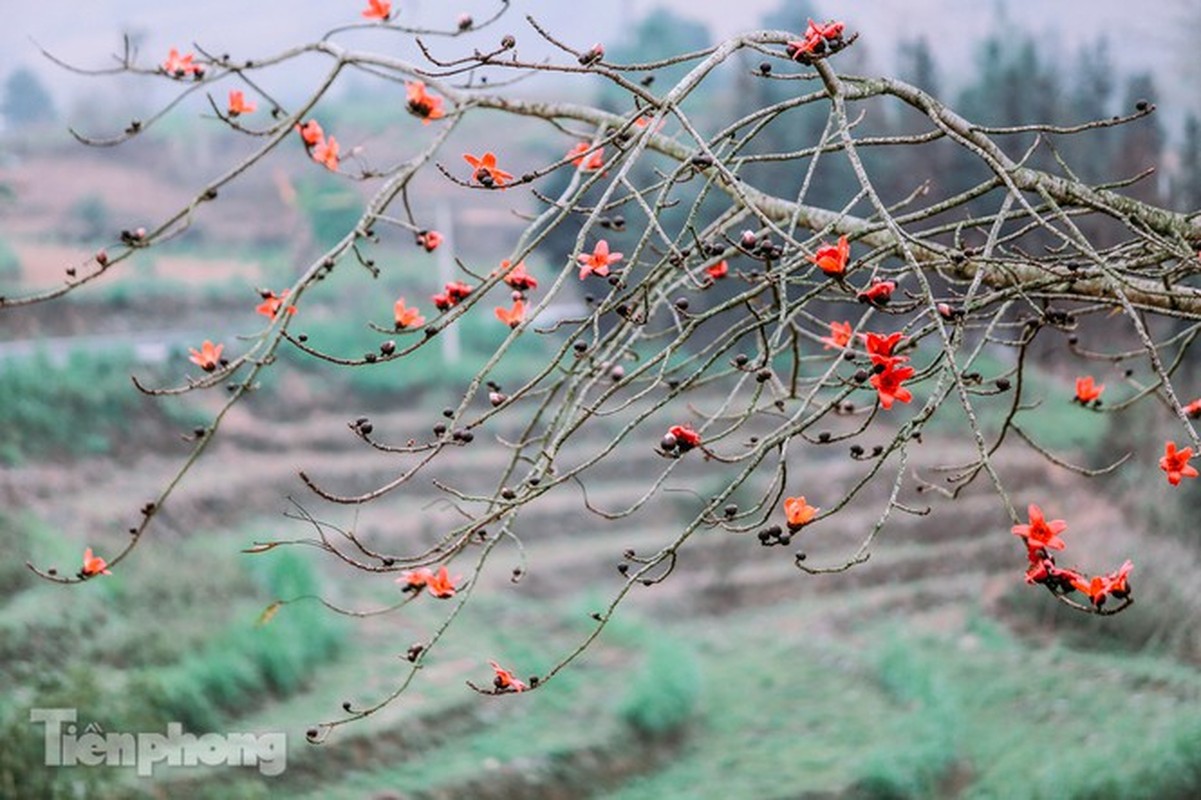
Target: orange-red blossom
[(406, 317), (888, 385), (208, 357), (423, 104), (832, 258), (598, 261), (1175, 463), (798, 512), (378, 10), (511, 317), (273, 303), (1088, 390), (238, 104), (94, 564), (1039, 532), (506, 681), (486, 172)]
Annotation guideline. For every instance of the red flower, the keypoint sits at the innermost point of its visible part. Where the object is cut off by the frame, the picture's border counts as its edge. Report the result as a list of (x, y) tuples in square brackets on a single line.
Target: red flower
[(1087, 391), (1193, 409), (1043, 570), (686, 438), (1095, 588), (815, 39), (879, 293), (832, 259), (511, 317), (429, 240), (272, 303), (506, 681), (888, 384), (326, 152), (451, 295), (207, 357), (840, 336), (238, 104), (643, 121), (587, 163), (440, 584), (486, 171), (1175, 463), (415, 579), (1040, 568), (406, 317), (798, 512), (517, 277), (1040, 533), (181, 66), (378, 9), (422, 104), (717, 271), (94, 564), (311, 133), (1116, 582), (880, 347), (597, 262)]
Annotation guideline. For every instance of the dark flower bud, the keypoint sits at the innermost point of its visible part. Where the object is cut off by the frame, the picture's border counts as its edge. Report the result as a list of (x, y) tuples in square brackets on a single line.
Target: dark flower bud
[(592, 55)]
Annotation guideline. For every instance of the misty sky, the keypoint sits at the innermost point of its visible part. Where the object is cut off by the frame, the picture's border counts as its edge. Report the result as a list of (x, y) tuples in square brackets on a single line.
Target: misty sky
[(1153, 38)]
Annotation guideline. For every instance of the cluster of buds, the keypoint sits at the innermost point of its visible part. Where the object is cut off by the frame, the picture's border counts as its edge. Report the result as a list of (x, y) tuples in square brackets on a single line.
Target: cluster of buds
[(774, 535), (761, 247)]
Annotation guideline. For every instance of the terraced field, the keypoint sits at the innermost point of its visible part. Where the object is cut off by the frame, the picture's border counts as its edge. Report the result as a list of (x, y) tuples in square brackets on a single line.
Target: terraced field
[(739, 676)]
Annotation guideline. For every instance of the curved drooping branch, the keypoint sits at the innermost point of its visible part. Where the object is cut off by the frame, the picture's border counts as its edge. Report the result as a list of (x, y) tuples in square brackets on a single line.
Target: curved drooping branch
[(732, 377)]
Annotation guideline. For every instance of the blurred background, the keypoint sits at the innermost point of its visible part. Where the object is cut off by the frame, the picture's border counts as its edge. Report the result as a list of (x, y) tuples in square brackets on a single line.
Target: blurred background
[(930, 671)]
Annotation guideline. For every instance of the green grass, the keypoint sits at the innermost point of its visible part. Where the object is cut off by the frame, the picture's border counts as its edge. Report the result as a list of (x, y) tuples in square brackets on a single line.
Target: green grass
[(784, 714), (1054, 422), (79, 408), (245, 662), (100, 647), (662, 697)]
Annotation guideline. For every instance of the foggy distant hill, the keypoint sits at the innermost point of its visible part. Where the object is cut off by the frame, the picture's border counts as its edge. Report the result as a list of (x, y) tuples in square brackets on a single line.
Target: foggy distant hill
[(1152, 38)]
